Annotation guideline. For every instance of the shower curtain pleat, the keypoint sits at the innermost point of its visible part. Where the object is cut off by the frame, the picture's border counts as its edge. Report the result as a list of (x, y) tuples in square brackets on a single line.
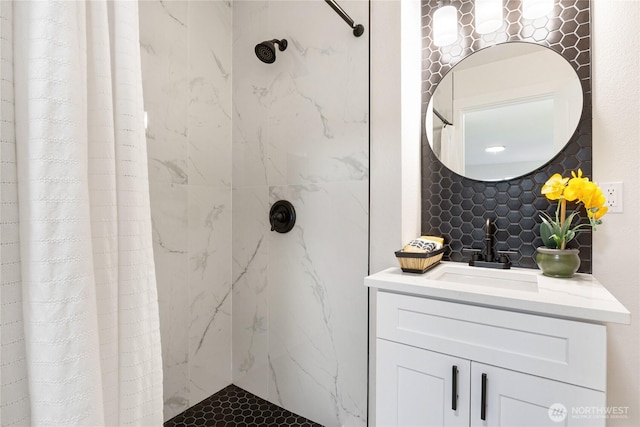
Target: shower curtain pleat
[(89, 295), (140, 366), (14, 390), (450, 152)]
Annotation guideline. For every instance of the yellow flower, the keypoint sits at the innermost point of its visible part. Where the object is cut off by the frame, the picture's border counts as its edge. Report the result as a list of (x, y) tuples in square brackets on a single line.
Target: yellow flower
[(597, 213), (593, 197), (557, 232), (554, 187), (577, 187), (578, 175)]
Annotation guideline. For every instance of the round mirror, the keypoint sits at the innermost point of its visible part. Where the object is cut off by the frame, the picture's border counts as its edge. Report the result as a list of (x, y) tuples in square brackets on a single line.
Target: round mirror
[(504, 111)]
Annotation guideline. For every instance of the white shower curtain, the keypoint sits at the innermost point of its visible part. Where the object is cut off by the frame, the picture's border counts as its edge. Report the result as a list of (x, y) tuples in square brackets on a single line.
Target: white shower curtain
[(90, 354), (450, 151)]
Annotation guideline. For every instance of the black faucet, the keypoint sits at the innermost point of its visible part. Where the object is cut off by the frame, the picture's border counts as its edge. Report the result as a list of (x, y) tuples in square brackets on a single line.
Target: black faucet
[(488, 242), (486, 256)]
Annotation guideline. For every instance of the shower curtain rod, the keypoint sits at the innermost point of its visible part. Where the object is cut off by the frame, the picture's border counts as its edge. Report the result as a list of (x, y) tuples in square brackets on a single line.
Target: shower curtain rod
[(358, 29), (442, 119)]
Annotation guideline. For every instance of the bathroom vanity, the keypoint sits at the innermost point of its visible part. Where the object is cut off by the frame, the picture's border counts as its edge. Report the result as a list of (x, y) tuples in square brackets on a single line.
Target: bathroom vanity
[(465, 346)]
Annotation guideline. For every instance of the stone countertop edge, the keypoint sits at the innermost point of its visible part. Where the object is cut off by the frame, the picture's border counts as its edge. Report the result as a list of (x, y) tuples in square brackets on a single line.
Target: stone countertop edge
[(580, 298)]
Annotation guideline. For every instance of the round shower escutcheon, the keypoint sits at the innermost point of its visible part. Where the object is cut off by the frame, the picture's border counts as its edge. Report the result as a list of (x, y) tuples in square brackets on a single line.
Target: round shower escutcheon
[(282, 216)]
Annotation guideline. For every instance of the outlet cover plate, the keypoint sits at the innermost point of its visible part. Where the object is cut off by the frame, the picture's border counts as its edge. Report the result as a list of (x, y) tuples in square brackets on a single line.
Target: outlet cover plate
[(613, 191)]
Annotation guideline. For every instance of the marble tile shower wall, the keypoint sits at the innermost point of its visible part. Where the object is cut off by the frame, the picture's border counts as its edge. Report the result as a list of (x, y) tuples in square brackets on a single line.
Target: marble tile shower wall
[(186, 65), (300, 132)]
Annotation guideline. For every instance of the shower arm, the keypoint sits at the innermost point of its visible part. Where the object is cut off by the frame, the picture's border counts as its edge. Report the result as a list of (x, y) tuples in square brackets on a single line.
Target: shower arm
[(358, 29)]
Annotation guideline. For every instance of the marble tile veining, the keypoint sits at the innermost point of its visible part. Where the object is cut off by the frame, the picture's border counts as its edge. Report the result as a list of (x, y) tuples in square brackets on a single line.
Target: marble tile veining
[(228, 135), (300, 132), (164, 44), (186, 70), (317, 309), (250, 305), (209, 285), (169, 217), (209, 154)]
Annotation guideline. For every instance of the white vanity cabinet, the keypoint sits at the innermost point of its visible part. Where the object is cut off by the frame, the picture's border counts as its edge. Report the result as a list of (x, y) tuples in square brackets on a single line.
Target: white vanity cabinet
[(511, 368)]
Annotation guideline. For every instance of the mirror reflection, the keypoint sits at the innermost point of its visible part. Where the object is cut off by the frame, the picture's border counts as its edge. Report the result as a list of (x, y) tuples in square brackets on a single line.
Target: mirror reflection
[(504, 111)]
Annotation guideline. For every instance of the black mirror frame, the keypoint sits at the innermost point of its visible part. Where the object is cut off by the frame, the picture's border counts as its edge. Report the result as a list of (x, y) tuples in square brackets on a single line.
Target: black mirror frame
[(560, 60)]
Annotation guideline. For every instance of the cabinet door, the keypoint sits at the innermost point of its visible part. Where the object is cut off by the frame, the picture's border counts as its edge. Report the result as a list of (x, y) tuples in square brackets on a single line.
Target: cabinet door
[(415, 387), (514, 399)]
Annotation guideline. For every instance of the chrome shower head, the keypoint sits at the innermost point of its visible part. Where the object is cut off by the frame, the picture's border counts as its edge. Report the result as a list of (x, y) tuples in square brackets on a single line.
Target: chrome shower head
[(266, 51)]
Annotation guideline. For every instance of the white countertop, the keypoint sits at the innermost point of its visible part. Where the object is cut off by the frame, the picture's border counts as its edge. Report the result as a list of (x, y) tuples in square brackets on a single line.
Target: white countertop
[(582, 297)]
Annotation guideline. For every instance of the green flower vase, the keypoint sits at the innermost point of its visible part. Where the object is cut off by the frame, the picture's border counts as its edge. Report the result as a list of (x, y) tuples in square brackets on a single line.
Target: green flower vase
[(562, 263)]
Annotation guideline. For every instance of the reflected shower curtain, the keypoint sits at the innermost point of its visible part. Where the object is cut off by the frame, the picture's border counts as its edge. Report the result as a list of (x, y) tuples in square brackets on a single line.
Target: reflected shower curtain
[(83, 347)]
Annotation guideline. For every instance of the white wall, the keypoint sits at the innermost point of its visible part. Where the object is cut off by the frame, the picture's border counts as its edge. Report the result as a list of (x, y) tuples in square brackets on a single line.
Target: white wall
[(395, 73), (386, 134), (616, 157), (186, 72), (385, 217), (396, 104)]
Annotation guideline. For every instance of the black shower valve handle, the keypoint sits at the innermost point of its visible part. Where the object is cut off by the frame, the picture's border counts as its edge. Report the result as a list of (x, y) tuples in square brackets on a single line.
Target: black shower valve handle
[(278, 216), (282, 216)]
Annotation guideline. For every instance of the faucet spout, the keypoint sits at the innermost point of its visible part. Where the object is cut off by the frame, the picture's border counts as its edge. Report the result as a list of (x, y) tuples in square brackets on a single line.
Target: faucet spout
[(486, 257), (488, 242)]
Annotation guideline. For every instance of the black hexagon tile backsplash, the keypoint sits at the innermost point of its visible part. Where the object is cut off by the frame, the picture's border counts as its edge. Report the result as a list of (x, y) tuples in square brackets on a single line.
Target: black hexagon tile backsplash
[(456, 207), (233, 406)]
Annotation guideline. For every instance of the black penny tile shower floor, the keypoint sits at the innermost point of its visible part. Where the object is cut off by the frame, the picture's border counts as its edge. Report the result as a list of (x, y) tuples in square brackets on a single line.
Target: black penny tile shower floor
[(233, 406)]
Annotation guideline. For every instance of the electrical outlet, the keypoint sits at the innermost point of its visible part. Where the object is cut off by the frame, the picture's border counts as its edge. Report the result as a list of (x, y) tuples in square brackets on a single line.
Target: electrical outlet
[(613, 192)]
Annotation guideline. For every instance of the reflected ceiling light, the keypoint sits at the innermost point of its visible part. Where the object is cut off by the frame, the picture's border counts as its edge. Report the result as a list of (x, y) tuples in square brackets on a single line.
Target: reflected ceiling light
[(532, 9), (445, 24), (488, 16), (495, 149)]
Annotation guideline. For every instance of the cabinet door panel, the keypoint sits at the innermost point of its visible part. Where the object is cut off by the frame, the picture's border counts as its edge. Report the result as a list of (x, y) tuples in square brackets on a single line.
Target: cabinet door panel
[(514, 399), (415, 386)]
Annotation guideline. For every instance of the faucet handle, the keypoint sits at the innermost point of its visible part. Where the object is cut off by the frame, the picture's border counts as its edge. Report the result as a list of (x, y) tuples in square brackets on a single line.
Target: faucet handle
[(502, 255), (476, 254), (471, 250)]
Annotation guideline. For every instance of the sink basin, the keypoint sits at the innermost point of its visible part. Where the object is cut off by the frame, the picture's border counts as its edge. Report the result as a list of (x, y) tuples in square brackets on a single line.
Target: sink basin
[(474, 276)]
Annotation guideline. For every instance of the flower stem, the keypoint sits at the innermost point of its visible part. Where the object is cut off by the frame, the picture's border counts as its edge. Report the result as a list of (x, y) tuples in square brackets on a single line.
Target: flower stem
[(563, 216)]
